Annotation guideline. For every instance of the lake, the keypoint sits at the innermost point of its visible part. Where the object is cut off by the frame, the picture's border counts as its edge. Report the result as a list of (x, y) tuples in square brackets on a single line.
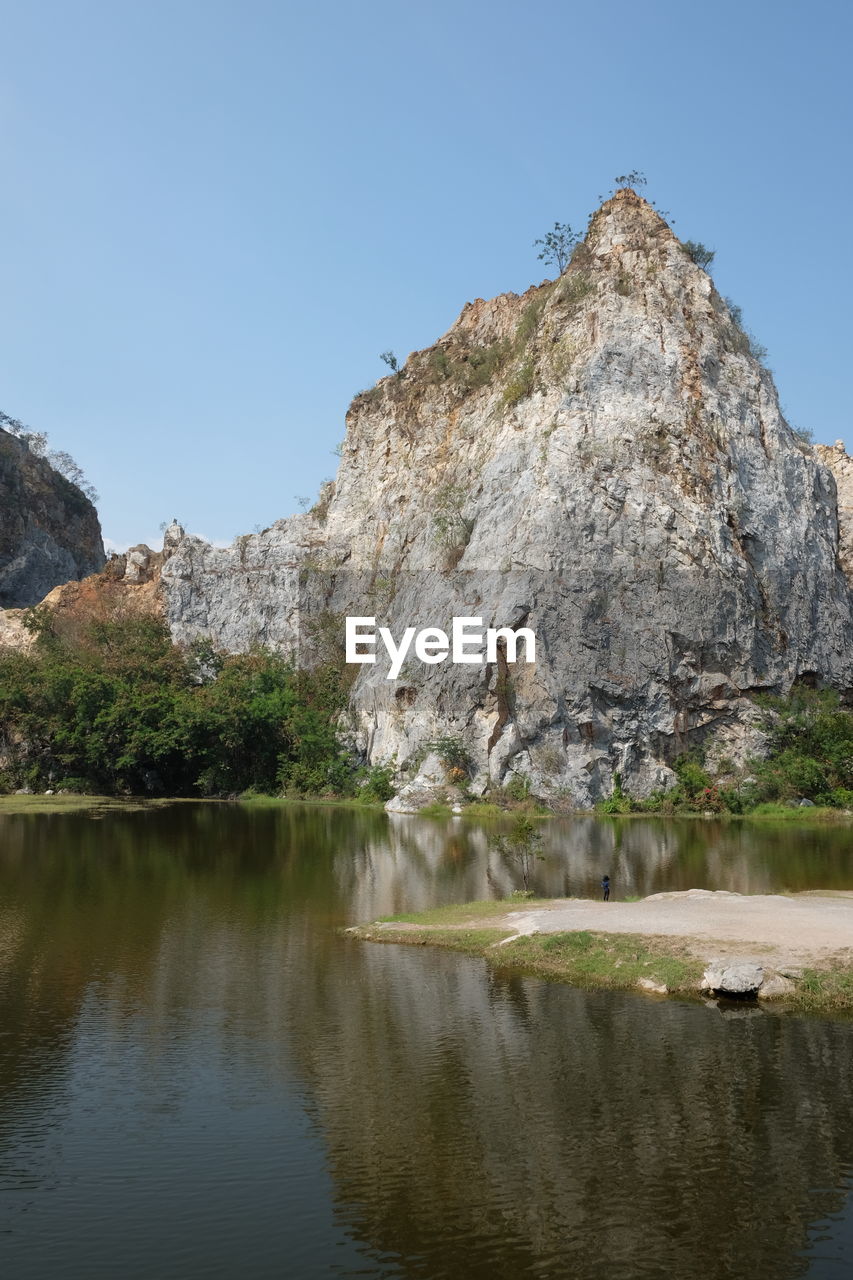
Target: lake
[(200, 1077)]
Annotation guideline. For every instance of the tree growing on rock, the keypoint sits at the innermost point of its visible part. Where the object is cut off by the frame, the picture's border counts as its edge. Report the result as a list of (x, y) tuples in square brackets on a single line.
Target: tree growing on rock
[(700, 253), (636, 178), (37, 441), (557, 246)]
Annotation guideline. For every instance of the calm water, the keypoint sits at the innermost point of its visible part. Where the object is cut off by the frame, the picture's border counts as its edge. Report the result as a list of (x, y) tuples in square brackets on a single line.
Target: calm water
[(200, 1078)]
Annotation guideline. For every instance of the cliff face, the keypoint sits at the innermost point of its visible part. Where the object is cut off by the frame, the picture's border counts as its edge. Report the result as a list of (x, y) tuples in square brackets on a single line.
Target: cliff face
[(835, 457), (49, 530), (602, 459)]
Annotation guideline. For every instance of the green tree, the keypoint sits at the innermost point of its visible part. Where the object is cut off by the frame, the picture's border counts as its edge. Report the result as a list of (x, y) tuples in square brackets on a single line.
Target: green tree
[(636, 178), (700, 253), (116, 707), (557, 246), (521, 846)]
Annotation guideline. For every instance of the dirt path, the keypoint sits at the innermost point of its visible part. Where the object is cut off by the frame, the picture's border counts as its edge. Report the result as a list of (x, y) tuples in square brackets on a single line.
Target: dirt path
[(804, 929)]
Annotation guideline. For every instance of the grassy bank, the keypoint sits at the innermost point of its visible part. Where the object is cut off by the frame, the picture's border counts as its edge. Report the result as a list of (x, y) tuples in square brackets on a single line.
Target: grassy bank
[(815, 814), (76, 803), (489, 815), (582, 959), (590, 960)]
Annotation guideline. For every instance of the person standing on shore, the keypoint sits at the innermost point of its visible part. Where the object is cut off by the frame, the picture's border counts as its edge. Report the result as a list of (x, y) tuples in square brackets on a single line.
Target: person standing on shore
[(605, 885)]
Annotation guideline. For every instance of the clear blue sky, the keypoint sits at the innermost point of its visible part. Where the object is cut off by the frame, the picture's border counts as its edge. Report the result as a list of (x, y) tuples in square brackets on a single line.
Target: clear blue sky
[(216, 213)]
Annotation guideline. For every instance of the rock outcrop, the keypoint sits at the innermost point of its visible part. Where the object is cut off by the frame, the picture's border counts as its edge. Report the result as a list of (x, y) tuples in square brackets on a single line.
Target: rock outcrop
[(602, 459), (835, 457), (49, 530), (737, 980)]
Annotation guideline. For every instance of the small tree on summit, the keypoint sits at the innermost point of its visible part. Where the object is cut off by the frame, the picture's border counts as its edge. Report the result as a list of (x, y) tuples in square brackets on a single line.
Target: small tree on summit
[(557, 246), (390, 359), (633, 179)]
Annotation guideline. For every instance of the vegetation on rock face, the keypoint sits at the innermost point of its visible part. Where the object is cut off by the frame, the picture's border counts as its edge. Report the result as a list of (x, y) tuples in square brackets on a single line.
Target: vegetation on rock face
[(810, 759), (739, 338), (699, 253), (62, 462), (451, 529), (454, 756), (113, 707), (118, 709)]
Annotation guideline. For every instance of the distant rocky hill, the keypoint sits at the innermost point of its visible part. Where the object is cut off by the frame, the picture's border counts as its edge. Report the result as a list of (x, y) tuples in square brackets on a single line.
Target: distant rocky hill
[(49, 529), (601, 459)]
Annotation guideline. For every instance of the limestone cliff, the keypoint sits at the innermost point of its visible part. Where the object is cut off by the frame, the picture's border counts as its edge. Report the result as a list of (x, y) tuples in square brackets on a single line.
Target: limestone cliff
[(49, 530), (835, 457), (602, 458)]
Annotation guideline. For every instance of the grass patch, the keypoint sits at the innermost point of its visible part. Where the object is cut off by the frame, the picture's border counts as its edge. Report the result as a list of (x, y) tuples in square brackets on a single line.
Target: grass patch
[(606, 960), (76, 803), (784, 813), (819, 815), (823, 991), (260, 801), (435, 811), (483, 810), (475, 942), (458, 912)]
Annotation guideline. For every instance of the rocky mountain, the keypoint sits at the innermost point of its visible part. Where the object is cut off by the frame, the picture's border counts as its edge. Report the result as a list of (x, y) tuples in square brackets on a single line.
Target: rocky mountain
[(602, 459), (49, 530)]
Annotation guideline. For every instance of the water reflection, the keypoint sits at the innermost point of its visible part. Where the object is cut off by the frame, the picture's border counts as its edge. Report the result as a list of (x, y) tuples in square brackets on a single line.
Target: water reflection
[(198, 1076)]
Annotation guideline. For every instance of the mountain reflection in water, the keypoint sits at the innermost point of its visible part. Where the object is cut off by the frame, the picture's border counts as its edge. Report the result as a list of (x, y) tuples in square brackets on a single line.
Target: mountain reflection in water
[(200, 1077)]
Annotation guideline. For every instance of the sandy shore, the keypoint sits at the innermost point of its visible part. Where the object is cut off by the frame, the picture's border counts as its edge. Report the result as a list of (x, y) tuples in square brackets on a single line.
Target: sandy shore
[(803, 929)]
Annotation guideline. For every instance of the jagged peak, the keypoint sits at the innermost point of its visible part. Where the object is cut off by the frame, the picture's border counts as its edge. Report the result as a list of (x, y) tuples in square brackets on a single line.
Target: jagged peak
[(626, 221)]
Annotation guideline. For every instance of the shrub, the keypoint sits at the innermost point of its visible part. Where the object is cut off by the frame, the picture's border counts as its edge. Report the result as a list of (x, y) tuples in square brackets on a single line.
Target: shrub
[(811, 753), (454, 755), (691, 776), (518, 788), (617, 801), (451, 529), (482, 363), (576, 286), (529, 322), (79, 786), (699, 253), (439, 363), (376, 784), (740, 339), (520, 386)]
